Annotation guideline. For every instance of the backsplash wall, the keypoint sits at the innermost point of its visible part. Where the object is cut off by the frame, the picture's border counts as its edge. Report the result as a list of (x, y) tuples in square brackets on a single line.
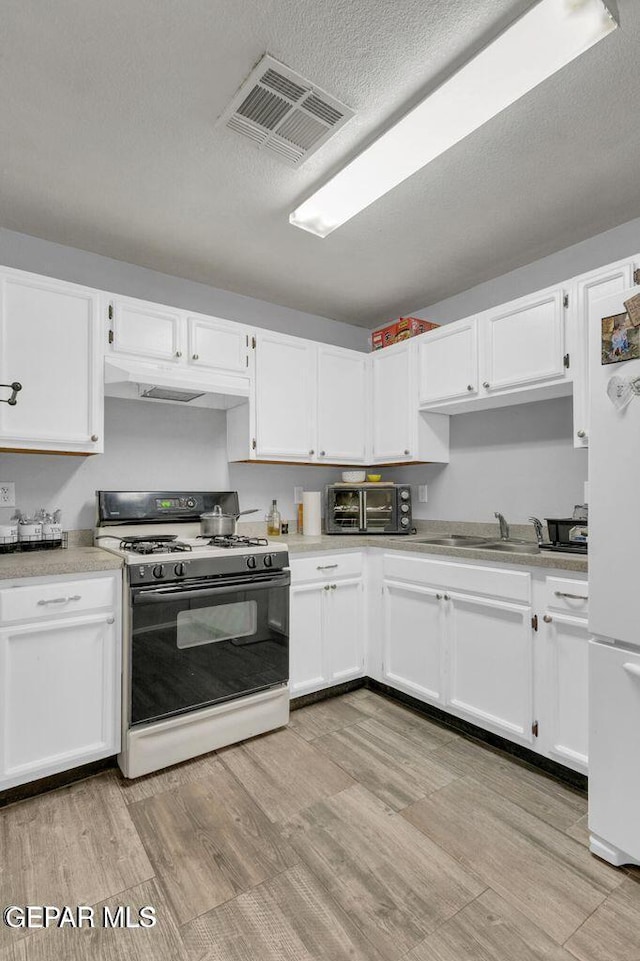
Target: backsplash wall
[(518, 460)]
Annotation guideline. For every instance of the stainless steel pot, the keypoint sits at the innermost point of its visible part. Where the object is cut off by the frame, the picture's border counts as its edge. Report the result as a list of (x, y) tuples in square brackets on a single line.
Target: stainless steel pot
[(216, 523)]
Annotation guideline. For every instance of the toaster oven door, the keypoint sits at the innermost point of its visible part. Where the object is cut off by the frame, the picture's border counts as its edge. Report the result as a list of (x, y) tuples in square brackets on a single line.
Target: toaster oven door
[(344, 510), (380, 510)]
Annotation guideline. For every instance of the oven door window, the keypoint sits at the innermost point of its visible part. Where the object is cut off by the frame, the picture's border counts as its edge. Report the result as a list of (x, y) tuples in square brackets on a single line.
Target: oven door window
[(195, 647)]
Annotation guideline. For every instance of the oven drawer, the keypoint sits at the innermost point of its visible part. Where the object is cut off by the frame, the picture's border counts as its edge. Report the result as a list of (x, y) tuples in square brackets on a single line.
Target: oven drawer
[(325, 567), (63, 596)]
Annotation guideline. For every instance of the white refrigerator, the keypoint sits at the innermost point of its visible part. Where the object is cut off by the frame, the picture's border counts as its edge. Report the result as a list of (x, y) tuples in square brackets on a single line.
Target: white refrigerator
[(614, 586)]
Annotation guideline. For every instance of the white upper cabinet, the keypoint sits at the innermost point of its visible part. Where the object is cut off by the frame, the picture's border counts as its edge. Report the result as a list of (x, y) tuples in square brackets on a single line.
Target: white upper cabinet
[(508, 355), (145, 330), (153, 333), (584, 291), (448, 363), (399, 431), (394, 404), (342, 405), (285, 397), (50, 344), (218, 345), (524, 343)]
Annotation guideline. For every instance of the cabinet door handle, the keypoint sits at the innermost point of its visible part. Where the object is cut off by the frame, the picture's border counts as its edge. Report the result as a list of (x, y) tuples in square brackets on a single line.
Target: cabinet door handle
[(195, 357), (582, 433), (446, 597), (61, 600), (327, 587), (407, 452), (333, 587), (632, 669), (326, 567), (322, 453), (547, 618), (178, 353), (438, 597), (15, 387), (469, 386), (574, 597), (111, 620), (95, 438), (486, 384), (311, 453)]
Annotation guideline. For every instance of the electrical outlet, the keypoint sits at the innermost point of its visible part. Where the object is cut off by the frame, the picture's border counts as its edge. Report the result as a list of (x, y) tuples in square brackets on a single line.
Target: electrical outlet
[(422, 493), (7, 494), (297, 495)]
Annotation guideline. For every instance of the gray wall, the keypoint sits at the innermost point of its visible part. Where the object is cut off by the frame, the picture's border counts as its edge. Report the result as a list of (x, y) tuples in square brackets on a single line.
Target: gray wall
[(612, 245), (151, 446), (80, 267), (517, 460)]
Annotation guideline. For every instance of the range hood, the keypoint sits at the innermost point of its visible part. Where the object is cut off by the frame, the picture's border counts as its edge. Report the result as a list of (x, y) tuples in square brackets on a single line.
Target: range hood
[(161, 384)]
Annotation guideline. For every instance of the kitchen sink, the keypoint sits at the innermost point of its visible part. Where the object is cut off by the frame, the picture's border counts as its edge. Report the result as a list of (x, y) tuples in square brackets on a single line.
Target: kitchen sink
[(468, 540), (453, 540), (513, 547)]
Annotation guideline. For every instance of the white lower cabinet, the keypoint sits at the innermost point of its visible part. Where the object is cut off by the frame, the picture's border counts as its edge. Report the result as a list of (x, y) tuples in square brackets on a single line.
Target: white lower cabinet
[(490, 664), (413, 640), (327, 625), (563, 700), (60, 676)]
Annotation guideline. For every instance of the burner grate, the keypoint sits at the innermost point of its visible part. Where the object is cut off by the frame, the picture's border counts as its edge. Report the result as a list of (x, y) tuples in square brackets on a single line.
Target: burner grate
[(162, 544), (233, 540)]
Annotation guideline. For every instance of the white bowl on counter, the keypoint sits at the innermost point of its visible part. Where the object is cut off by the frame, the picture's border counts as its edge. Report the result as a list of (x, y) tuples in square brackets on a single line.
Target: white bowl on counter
[(353, 476)]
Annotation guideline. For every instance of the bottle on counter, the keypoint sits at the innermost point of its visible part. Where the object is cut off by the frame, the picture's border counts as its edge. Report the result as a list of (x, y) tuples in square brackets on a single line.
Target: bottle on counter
[(273, 520), (300, 519)]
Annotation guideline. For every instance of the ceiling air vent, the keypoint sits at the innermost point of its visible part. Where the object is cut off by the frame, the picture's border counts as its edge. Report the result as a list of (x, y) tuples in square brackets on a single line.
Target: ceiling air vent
[(283, 113)]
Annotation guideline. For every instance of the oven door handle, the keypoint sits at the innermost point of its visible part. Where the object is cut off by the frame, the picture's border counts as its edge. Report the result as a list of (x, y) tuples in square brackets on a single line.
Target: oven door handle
[(160, 595)]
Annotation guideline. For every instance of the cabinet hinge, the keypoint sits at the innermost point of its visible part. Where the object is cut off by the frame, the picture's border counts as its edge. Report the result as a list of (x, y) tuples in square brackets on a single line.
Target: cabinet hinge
[(253, 444), (253, 342), (567, 360), (565, 300), (534, 622), (534, 728), (636, 275), (110, 336), (110, 311)]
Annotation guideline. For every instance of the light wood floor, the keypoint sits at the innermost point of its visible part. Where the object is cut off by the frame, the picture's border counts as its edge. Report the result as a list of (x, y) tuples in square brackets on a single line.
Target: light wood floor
[(362, 832)]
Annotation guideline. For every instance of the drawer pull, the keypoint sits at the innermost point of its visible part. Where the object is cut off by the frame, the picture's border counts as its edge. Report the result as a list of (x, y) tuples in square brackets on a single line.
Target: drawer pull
[(61, 600), (632, 669), (573, 597), (325, 567)]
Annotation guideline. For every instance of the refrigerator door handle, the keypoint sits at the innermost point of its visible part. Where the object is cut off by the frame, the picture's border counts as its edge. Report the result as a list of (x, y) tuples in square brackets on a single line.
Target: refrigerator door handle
[(632, 669)]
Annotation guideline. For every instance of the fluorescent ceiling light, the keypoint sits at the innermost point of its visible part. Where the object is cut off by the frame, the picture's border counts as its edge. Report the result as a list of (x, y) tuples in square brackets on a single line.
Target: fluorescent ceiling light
[(545, 39)]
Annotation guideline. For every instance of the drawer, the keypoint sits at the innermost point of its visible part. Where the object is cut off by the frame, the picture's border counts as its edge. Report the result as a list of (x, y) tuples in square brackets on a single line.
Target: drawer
[(568, 595), (325, 567), (66, 597), (472, 578)]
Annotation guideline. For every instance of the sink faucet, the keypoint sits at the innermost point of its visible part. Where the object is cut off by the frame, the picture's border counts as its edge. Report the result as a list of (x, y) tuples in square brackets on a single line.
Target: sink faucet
[(504, 527), (537, 523)]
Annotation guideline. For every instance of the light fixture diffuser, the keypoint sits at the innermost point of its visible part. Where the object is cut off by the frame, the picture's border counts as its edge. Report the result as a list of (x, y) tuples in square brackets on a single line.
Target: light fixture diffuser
[(541, 42)]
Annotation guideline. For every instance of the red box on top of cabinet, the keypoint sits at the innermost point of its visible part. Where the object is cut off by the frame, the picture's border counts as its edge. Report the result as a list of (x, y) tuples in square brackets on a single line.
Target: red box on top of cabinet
[(401, 329), (384, 336)]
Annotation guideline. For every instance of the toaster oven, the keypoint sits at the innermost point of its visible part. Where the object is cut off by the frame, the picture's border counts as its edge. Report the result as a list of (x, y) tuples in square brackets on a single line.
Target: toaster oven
[(368, 509)]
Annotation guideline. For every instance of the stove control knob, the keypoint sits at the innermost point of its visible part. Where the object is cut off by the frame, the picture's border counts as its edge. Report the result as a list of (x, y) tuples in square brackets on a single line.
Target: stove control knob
[(158, 570), (251, 562), (191, 503), (268, 560), (179, 570), (404, 495), (404, 508), (404, 522)]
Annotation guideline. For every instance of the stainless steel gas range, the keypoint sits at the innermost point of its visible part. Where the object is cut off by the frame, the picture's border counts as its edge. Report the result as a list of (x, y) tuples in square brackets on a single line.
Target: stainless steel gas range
[(206, 627)]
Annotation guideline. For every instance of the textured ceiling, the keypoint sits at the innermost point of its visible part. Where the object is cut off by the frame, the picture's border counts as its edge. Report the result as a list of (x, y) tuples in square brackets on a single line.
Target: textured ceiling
[(108, 143)]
